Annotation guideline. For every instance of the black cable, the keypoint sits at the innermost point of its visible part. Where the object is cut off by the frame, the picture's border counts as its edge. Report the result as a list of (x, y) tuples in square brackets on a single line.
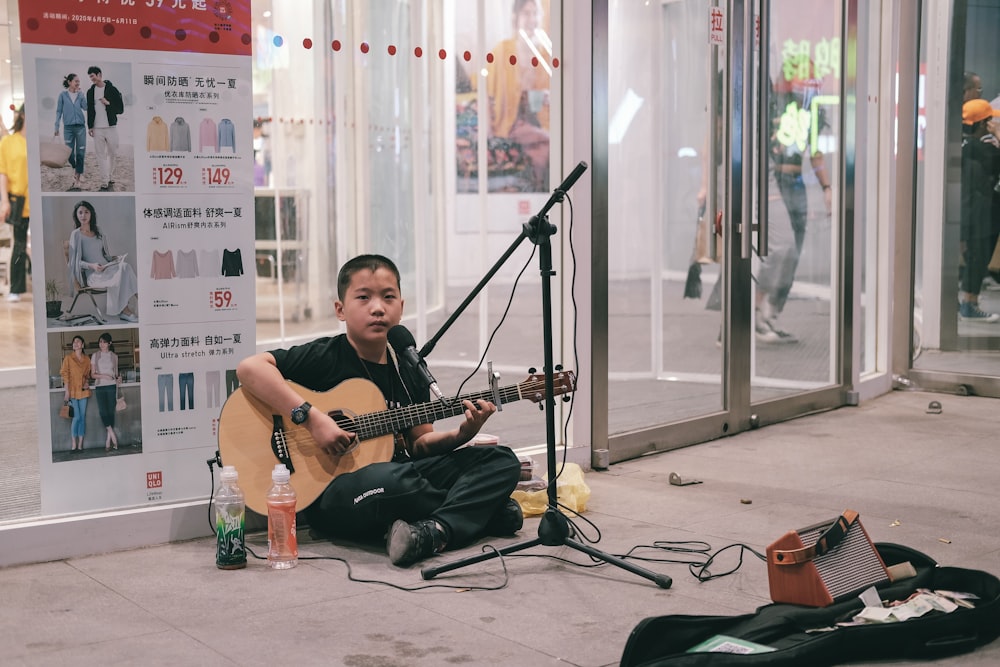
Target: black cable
[(576, 349), (698, 567), (701, 572), (350, 575), (211, 496), (503, 318)]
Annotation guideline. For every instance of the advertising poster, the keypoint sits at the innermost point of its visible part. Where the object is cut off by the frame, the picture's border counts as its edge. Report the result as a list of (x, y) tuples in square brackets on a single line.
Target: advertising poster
[(139, 127)]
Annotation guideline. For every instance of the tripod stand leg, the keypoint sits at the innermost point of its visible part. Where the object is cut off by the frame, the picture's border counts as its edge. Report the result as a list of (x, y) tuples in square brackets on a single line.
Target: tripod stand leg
[(553, 531), (432, 571), (661, 580)]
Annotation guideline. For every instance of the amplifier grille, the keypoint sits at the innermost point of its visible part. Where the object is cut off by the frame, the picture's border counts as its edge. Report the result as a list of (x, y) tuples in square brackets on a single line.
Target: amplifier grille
[(850, 566)]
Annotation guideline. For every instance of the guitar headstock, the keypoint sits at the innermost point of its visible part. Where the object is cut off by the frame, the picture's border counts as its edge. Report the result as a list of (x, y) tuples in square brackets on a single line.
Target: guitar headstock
[(533, 388)]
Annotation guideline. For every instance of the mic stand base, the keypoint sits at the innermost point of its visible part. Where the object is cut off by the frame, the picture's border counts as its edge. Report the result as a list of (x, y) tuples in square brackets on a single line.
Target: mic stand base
[(553, 531)]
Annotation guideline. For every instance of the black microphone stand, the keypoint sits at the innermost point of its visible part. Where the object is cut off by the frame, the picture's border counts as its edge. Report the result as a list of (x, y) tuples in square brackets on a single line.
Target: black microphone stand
[(554, 528)]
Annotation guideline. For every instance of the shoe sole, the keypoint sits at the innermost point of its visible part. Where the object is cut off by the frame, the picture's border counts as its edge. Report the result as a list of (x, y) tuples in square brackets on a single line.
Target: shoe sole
[(398, 543), (776, 339)]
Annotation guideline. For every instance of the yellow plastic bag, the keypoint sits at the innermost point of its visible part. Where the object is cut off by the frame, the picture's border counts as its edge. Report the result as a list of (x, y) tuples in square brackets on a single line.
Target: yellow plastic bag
[(572, 492)]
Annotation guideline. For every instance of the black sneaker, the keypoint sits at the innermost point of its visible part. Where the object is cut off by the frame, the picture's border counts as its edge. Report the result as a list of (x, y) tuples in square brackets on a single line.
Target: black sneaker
[(409, 543), (506, 521)]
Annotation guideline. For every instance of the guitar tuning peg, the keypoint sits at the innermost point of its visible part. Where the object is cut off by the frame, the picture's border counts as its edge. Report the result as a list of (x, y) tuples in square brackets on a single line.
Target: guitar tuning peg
[(559, 367), (541, 407), (532, 370), (565, 399)]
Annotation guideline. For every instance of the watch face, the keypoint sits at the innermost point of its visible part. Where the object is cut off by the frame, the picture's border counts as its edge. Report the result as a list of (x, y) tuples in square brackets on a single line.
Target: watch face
[(300, 413)]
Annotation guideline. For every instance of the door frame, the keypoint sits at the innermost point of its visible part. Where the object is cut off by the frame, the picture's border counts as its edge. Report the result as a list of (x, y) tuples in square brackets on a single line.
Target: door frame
[(738, 412)]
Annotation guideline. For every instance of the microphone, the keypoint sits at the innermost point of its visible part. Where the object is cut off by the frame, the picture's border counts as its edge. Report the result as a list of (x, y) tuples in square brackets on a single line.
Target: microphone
[(560, 192), (402, 342)]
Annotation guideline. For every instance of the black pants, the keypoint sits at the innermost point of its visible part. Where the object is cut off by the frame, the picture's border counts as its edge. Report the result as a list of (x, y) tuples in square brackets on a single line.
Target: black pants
[(460, 490), (19, 258), (107, 396)]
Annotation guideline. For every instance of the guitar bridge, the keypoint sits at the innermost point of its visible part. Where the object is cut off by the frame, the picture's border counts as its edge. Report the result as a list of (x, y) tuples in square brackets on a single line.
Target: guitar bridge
[(279, 445)]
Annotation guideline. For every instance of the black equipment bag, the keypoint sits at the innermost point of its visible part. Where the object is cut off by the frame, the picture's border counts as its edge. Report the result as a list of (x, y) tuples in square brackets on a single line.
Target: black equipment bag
[(663, 641)]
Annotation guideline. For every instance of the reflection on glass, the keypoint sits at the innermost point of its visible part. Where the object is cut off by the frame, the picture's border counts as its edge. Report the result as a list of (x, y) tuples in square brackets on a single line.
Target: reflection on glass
[(797, 116), (795, 278), (517, 79)]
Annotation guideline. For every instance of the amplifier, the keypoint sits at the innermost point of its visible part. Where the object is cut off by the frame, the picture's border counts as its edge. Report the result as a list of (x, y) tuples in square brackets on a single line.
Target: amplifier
[(818, 565)]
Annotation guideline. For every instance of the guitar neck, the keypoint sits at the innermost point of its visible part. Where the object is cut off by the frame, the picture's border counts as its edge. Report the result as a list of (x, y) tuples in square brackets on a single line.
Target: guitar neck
[(397, 420)]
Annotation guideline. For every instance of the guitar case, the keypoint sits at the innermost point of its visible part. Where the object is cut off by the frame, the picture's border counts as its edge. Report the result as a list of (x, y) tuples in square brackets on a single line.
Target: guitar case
[(664, 640)]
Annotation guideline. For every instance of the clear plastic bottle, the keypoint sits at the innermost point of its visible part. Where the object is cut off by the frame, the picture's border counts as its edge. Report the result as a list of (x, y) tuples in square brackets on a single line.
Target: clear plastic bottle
[(230, 518), (282, 547)]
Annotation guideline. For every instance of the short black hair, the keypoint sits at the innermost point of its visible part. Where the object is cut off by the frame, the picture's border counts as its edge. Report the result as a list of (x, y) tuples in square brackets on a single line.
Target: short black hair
[(361, 263), (94, 69)]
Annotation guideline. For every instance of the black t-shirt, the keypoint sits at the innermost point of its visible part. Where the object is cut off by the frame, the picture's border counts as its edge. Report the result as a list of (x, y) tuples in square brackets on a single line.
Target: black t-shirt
[(326, 362), (980, 171)]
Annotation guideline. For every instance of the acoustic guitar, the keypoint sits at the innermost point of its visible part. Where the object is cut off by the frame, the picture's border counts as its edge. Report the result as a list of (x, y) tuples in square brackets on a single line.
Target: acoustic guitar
[(254, 439)]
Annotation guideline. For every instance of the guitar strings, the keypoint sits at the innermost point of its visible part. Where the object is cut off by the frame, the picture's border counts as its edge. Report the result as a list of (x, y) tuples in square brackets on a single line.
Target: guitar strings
[(376, 424)]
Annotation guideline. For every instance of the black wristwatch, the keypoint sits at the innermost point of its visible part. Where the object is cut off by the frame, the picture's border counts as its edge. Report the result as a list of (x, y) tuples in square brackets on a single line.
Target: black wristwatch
[(301, 413)]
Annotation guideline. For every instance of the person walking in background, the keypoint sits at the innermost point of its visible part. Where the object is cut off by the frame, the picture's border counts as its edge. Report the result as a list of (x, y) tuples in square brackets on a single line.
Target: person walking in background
[(71, 109), (792, 152), (972, 87), (14, 204), (104, 370), (75, 372), (104, 103), (980, 174)]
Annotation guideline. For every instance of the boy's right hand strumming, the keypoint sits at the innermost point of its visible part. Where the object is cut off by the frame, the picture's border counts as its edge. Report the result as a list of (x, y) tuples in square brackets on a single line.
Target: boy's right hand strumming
[(328, 436)]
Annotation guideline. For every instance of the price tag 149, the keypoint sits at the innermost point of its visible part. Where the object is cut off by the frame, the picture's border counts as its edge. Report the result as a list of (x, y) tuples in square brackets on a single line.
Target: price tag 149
[(216, 176)]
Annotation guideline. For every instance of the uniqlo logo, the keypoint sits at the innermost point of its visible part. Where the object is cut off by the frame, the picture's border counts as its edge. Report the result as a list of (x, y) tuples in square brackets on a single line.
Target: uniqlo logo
[(154, 480)]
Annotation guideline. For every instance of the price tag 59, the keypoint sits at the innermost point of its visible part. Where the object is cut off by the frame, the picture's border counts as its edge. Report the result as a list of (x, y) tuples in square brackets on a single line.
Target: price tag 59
[(221, 299)]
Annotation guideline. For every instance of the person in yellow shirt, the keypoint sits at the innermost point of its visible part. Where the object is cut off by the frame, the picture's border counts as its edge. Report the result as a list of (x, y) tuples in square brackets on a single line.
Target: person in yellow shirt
[(14, 205), (76, 374)]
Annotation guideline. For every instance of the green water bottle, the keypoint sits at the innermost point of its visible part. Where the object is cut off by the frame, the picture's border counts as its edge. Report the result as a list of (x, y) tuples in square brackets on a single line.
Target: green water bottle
[(230, 518)]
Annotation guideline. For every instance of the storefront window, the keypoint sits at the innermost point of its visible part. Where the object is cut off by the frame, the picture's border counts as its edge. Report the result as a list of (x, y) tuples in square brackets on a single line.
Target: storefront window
[(361, 112)]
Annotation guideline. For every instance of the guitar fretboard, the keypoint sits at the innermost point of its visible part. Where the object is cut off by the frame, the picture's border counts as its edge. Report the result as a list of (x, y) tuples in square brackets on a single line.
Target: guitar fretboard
[(397, 420)]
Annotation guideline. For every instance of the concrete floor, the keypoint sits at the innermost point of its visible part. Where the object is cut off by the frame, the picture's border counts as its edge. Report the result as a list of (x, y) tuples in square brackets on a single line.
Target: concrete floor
[(922, 480)]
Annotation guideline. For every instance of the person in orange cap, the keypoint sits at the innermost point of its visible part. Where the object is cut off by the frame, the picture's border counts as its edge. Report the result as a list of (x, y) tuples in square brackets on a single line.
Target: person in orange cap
[(980, 174)]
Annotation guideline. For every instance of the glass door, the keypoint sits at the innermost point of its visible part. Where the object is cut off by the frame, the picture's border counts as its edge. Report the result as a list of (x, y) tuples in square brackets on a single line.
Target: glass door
[(725, 271), (956, 316), (796, 264)]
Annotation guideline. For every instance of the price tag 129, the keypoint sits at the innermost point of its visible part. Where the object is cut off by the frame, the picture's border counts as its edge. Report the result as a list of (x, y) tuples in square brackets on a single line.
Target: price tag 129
[(168, 176)]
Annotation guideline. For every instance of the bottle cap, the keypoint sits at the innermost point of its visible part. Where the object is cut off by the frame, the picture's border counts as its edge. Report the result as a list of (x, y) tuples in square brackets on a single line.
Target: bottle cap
[(229, 474), (280, 474)]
